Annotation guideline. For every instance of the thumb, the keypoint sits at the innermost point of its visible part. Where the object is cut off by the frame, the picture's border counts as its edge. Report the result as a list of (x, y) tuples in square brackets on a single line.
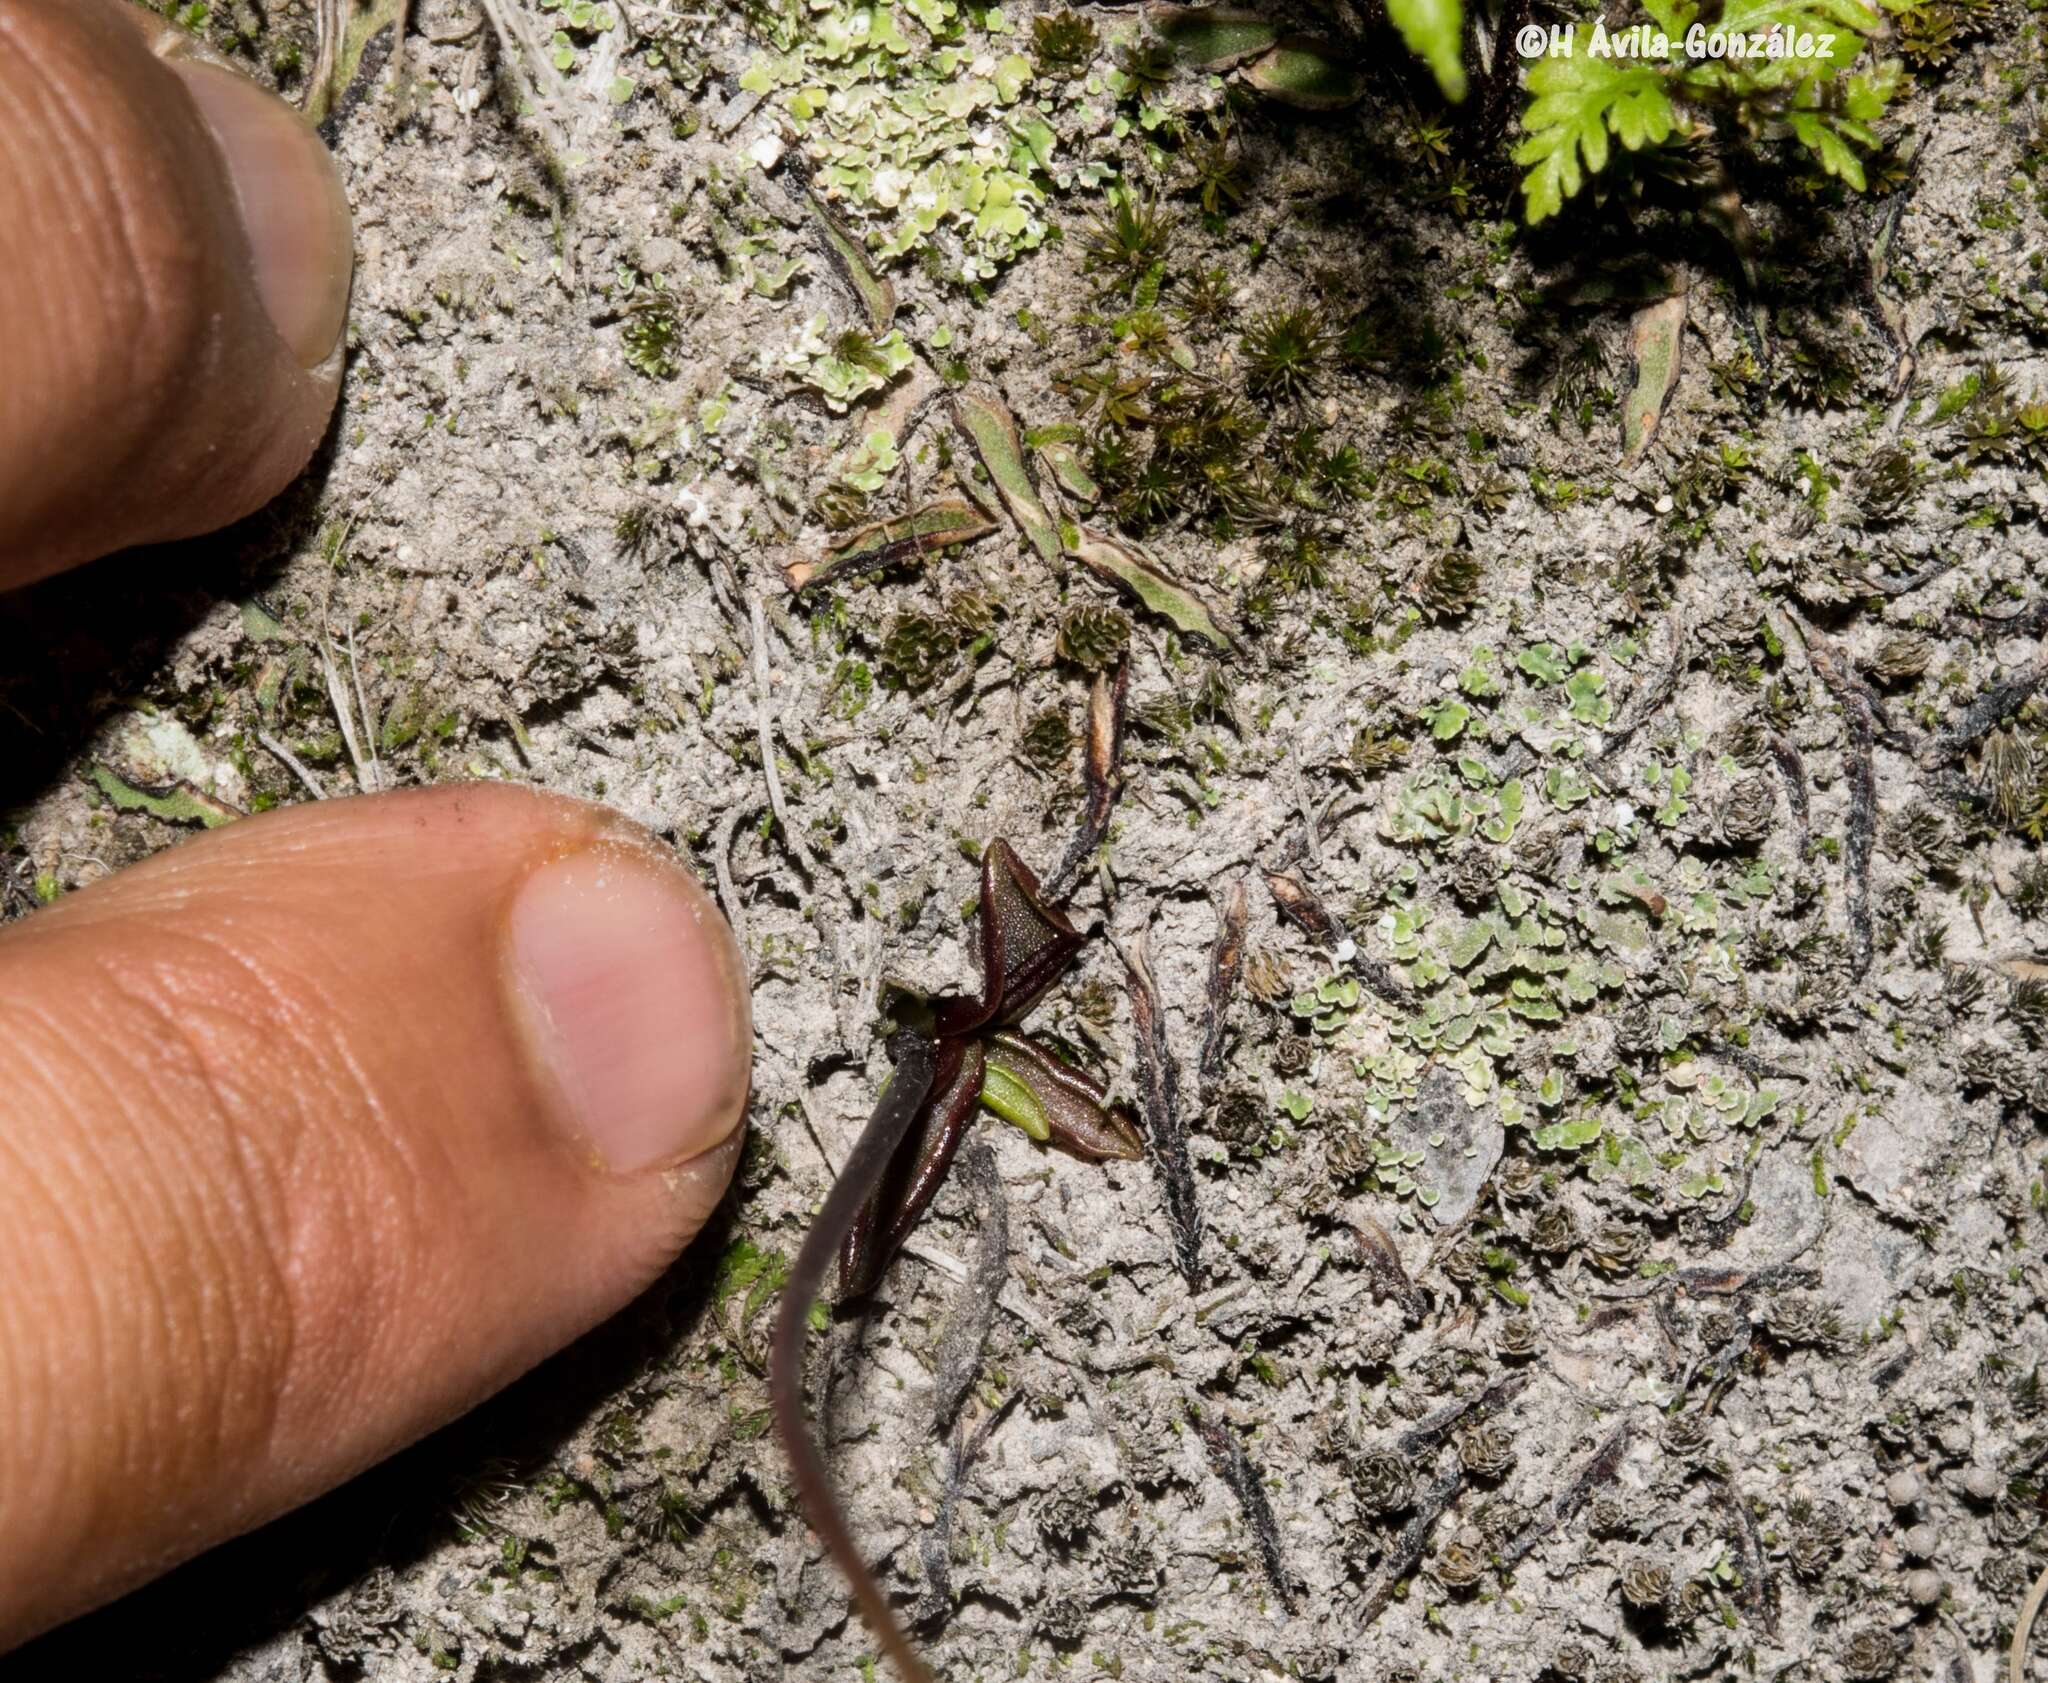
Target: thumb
[(319, 1129), (174, 273)]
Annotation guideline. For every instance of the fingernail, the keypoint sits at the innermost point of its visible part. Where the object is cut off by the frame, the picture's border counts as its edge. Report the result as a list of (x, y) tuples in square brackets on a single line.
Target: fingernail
[(291, 202), (631, 989)]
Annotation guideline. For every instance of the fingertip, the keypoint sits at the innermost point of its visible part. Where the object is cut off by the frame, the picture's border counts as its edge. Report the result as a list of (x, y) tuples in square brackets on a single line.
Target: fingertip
[(173, 297), (289, 195), (624, 980), (345, 1116)]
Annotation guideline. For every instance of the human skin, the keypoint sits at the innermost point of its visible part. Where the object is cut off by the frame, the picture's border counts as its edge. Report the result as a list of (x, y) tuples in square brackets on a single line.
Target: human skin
[(320, 1128)]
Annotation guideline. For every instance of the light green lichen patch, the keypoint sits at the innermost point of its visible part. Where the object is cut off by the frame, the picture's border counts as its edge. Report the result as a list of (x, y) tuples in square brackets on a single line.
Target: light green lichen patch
[(871, 460), (842, 367), (1513, 989), (925, 122)]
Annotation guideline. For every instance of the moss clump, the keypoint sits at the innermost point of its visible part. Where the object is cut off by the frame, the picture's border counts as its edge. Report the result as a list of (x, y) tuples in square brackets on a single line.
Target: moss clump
[(1093, 637), (973, 611), (1450, 584), (1376, 748), (1064, 42), (1901, 659), (1047, 739), (1125, 242), (1283, 352), (651, 332), (917, 649)]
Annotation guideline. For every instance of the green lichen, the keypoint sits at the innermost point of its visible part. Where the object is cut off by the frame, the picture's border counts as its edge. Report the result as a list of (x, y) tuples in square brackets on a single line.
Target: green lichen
[(843, 366), (926, 122)]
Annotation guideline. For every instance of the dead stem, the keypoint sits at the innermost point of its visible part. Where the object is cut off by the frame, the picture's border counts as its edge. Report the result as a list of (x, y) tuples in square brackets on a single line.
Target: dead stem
[(1849, 691), (765, 733), (1165, 1128), (1599, 1468), (1234, 1467), (1102, 765), (1226, 958)]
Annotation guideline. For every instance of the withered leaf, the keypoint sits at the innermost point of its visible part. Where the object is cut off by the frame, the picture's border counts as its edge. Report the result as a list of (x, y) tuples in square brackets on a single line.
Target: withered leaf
[(988, 422), (1299, 905), (1126, 565), (1025, 944), (938, 525), (1226, 958), (917, 1170)]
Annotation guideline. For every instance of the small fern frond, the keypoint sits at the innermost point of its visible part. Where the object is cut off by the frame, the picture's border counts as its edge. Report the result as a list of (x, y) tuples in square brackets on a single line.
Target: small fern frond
[(1579, 100)]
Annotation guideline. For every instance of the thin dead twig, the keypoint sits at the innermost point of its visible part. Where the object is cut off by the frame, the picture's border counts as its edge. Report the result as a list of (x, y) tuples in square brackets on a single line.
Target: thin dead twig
[(1650, 699), (1166, 1129), (291, 763), (1102, 766), (1599, 1468), (1414, 1539), (1990, 710), (765, 734), (1226, 958), (1427, 1434), (1853, 696), (1758, 1590), (935, 1548), (1234, 1467), (974, 1307), (728, 895), (338, 699), (1307, 911), (1382, 1261), (1793, 769)]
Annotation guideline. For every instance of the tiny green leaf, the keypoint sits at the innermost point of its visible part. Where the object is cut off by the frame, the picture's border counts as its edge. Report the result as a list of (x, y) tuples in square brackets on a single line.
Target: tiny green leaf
[(1501, 826), (1434, 32), (1006, 1093)]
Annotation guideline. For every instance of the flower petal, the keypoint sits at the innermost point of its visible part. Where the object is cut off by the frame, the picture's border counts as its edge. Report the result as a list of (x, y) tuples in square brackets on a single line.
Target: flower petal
[(916, 1172), (1025, 944), (1053, 1101)]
